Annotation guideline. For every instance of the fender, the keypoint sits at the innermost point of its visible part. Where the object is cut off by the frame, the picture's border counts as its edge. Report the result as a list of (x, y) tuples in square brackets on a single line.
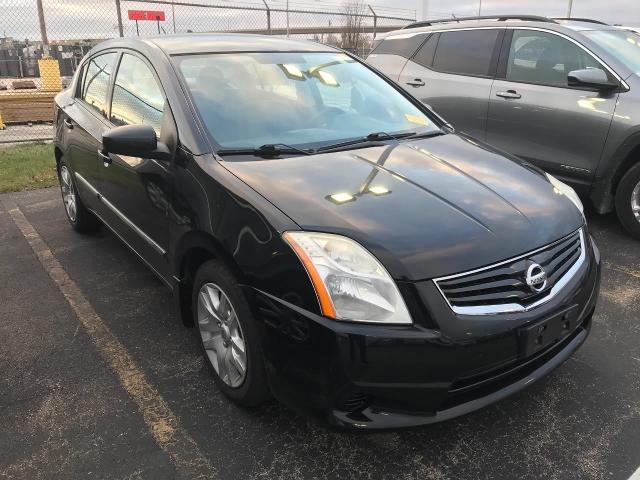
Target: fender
[(207, 248), (610, 172)]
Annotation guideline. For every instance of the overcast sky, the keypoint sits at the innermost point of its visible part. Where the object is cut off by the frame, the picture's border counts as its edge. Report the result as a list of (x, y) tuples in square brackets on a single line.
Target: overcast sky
[(97, 19), (611, 11)]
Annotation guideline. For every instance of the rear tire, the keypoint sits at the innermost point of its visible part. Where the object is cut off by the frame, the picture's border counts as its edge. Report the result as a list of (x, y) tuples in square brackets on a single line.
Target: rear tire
[(80, 218), (228, 335), (628, 201)]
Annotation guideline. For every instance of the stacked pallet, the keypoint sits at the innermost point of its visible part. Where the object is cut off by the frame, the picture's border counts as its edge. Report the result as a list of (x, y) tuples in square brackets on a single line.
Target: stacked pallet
[(26, 107)]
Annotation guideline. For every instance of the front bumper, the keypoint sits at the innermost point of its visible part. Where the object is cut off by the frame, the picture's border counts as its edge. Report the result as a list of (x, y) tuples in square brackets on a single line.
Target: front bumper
[(442, 366)]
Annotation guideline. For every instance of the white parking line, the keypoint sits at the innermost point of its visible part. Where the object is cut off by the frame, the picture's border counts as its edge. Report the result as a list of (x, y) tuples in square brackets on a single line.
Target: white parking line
[(172, 438), (636, 475)]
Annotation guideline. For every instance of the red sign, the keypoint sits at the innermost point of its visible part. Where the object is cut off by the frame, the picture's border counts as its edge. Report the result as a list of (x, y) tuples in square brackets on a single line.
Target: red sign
[(152, 15)]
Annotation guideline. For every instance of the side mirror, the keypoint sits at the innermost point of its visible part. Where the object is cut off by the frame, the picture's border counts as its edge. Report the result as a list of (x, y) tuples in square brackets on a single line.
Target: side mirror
[(591, 78), (134, 141)]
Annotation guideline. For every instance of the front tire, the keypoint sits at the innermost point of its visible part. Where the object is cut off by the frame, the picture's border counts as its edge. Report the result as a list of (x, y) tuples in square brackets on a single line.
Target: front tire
[(228, 335), (81, 219), (628, 201)]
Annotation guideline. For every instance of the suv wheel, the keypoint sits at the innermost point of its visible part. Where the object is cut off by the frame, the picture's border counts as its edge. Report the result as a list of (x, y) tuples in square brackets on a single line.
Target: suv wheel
[(628, 201), (228, 335), (81, 219)]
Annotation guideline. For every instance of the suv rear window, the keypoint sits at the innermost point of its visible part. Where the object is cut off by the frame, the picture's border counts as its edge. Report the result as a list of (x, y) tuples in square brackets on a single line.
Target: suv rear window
[(425, 55), (466, 52), (402, 45)]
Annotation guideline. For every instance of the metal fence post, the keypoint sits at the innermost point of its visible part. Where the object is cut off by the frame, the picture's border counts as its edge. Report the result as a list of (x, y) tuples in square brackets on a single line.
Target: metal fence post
[(375, 20), (268, 16), (173, 15), (119, 12)]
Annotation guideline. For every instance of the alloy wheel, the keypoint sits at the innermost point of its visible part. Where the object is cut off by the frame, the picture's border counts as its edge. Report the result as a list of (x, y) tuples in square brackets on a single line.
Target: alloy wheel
[(635, 202), (222, 335), (68, 193)]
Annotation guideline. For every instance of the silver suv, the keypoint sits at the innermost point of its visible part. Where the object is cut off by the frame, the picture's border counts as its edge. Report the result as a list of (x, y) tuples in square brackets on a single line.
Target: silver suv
[(563, 94)]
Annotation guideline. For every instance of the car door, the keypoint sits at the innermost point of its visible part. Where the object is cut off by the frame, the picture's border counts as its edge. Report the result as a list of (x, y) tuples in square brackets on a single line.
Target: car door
[(85, 120), (136, 190), (534, 114), (453, 72)]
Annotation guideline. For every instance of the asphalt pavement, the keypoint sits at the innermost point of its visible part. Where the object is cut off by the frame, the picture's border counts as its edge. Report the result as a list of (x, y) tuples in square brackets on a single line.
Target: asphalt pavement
[(99, 379)]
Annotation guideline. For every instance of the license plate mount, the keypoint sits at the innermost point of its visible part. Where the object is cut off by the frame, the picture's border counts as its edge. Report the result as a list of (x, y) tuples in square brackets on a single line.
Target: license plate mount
[(540, 335)]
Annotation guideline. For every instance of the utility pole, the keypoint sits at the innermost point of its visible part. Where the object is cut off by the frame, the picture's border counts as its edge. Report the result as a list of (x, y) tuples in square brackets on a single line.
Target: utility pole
[(423, 10), (480, 9), (570, 8), (43, 29), (119, 12)]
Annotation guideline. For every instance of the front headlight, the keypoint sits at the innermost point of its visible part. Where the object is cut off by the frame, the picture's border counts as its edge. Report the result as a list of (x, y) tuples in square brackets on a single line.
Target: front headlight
[(349, 282), (562, 188)]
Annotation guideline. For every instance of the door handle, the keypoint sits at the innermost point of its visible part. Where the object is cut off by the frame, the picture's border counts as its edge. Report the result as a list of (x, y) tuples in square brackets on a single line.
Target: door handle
[(68, 123), (509, 94), (416, 82), (106, 159)]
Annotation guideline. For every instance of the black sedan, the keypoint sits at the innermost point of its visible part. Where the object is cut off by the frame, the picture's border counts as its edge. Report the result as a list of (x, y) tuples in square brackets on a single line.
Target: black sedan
[(335, 244)]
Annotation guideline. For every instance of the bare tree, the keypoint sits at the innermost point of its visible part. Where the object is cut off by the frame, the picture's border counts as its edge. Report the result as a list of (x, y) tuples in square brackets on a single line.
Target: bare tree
[(352, 37)]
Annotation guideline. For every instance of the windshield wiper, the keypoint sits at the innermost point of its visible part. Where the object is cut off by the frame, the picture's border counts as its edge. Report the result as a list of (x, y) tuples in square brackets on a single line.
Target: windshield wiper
[(349, 143), (268, 150), (380, 135), (372, 139), (434, 133)]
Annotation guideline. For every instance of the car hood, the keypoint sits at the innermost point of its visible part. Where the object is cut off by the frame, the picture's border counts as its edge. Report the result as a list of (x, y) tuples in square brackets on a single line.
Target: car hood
[(452, 204)]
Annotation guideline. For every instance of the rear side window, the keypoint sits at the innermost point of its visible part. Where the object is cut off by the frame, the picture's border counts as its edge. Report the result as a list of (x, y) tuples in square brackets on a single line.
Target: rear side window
[(137, 97), (467, 52), (545, 59), (425, 55), (95, 83), (402, 45)]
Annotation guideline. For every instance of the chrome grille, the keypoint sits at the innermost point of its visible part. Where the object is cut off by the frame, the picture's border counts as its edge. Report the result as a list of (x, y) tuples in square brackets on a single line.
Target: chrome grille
[(502, 288)]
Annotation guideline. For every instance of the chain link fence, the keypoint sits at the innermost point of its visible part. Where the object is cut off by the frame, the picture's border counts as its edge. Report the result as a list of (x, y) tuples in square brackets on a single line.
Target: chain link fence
[(43, 41)]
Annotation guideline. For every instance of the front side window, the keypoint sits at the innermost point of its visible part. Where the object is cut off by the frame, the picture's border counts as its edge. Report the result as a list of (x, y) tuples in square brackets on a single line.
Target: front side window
[(95, 83), (466, 52), (545, 59), (247, 100), (137, 97)]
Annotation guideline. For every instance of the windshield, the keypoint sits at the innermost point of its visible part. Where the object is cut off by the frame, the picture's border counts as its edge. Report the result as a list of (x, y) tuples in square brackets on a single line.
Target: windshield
[(247, 100), (623, 45)]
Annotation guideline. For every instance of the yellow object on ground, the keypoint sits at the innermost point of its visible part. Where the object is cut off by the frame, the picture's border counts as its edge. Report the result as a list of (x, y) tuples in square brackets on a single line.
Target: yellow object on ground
[(50, 74), (2, 125)]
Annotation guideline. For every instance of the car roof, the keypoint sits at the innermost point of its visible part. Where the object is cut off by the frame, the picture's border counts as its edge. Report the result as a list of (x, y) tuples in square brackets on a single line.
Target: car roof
[(560, 25), (218, 42)]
